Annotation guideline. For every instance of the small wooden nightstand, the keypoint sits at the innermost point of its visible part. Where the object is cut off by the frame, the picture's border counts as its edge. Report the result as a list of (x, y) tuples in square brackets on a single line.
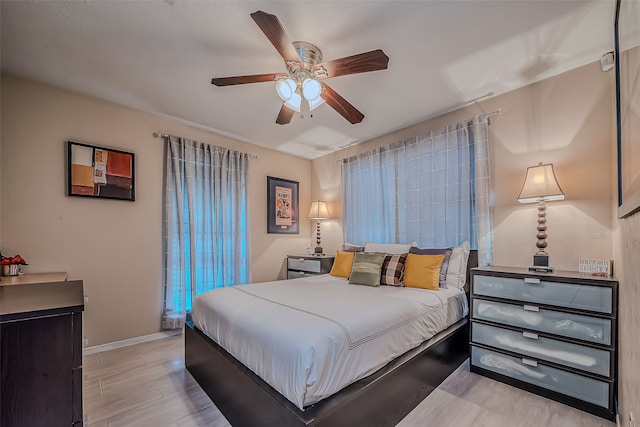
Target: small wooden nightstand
[(308, 265)]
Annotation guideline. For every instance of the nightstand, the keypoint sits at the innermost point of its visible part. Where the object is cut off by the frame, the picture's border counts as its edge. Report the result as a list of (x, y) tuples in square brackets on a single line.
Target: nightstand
[(308, 265), (553, 334)]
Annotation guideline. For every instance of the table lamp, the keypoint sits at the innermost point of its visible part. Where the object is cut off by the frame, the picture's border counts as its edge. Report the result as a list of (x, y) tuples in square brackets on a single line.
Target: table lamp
[(318, 211), (541, 185)]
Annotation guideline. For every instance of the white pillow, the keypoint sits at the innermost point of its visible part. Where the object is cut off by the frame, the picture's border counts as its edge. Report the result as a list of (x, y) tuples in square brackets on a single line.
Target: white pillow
[(389, 248), (457, 272)]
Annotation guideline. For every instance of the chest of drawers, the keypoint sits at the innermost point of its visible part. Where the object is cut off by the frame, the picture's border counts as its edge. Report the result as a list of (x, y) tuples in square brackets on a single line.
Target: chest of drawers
[(553, 334), (41, 357), (306, 265)]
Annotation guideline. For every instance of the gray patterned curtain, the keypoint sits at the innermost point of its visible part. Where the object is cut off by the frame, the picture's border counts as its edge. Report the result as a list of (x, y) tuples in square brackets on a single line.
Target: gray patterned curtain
[(206, 223), (434, 189)]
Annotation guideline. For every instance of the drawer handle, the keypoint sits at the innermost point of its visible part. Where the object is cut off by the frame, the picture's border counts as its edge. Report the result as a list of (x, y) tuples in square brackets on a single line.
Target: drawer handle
[(531, 308), (530, 335), (530, 362), (302, 273), (301, 260), (532, 280)]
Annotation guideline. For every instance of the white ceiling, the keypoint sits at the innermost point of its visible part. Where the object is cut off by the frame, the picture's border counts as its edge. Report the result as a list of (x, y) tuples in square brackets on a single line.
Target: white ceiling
[(159, 56)]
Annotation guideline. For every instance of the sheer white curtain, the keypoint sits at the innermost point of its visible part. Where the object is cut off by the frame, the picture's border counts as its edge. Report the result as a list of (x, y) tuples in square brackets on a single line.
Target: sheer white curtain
[(369, 186), (206, 223), (434, 189)]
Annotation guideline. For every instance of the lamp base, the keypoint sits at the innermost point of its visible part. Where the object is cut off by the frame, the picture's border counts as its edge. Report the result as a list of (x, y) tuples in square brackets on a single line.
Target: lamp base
[(541, 263), (541, 269), (318, 250)]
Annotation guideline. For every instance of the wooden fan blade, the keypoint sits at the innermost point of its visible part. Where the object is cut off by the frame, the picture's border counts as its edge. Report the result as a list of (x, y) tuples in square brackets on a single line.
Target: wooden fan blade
[(360, 63), (241, 80), (271, 27), (285, 115), (341, 105)]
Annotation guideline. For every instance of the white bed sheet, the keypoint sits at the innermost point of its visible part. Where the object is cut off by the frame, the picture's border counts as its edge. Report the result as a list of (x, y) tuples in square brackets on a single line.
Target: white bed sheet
[(308, 338)]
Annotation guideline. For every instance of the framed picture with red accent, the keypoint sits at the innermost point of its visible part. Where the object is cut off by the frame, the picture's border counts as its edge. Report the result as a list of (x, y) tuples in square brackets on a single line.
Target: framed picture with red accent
[(100, 172), (282, 206)]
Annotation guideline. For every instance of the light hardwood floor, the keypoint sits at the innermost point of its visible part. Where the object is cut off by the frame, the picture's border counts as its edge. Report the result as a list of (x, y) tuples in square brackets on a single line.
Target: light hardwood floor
[(147, 385)]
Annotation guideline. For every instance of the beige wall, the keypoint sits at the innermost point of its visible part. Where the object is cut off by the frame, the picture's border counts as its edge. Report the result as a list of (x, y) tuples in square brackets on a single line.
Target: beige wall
[(556, 120), (114, 246)]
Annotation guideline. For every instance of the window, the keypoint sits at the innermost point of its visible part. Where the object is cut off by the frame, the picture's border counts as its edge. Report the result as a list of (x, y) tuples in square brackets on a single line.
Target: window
[(434, 189)]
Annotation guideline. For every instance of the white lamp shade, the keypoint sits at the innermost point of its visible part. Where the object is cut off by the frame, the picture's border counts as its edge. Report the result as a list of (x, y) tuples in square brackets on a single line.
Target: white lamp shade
[(285, 88), (540, 184), (315, 103), (294, 102), (319, 210), (311, 89)]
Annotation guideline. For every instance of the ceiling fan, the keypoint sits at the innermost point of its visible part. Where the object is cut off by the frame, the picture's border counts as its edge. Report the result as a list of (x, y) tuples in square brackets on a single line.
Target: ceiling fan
[(306, 72)]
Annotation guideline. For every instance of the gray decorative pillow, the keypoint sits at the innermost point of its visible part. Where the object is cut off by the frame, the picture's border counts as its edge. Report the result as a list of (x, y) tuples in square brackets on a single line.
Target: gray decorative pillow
[(442, 283), (366, 268)]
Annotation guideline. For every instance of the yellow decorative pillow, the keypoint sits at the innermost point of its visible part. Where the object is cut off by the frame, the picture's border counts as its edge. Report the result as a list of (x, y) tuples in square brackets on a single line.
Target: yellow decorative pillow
[(342, 264), (422, 271)]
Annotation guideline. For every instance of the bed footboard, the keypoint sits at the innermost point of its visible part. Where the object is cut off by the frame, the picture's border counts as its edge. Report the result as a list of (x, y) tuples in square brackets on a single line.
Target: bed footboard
[(381, 399)]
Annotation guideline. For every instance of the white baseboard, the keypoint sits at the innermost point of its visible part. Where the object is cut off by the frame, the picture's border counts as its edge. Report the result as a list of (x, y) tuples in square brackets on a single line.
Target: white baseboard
[(130, 341)]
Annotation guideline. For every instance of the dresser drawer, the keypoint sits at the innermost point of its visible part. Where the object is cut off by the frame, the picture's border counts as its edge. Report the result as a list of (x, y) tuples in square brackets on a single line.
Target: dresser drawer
[(582, 327), (302, 264), (584, 388), (294, 274), (582, 297), (577, 356)]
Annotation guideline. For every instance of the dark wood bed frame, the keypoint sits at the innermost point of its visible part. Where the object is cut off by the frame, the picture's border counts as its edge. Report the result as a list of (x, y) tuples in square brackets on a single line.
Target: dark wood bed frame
[(380, 399)]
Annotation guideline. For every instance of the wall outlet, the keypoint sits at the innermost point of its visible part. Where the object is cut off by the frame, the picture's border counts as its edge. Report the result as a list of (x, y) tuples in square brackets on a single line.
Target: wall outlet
[(85, 342), (86, 299)]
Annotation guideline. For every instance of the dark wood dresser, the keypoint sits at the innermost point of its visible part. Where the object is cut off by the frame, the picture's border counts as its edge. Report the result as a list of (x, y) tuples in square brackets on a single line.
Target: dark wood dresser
[(41, 350)]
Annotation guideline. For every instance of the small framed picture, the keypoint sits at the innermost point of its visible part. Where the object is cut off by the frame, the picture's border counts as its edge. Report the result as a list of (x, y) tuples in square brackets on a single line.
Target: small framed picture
[(99, 172), (282, 206)]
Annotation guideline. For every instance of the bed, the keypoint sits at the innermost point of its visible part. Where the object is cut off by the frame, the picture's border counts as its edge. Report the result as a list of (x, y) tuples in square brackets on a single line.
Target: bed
[(370, 369)]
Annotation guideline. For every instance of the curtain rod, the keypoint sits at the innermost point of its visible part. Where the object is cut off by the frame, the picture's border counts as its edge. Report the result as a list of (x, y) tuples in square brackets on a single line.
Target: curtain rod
[(159, 134), (498, 112)]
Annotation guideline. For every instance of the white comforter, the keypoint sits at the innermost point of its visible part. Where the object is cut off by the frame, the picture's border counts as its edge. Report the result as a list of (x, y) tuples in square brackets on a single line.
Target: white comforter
[(308, 338)]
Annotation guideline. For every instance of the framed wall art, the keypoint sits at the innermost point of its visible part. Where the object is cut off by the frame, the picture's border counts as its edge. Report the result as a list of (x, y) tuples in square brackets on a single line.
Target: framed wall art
[(99, 172), (282, 206), (627, 58)]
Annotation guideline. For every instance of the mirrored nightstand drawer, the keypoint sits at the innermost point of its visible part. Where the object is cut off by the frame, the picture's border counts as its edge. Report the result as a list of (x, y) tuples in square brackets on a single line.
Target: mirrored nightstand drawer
[(580, 387), (535, 289), (304, 264), (582, 327), (577, 356)]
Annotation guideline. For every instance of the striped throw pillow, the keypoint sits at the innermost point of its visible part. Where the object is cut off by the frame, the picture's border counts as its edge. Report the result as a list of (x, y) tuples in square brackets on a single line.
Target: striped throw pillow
[(392, 269)]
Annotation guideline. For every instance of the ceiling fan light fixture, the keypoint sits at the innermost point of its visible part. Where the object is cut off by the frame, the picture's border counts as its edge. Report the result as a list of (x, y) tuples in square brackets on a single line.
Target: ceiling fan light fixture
[(305, 66), (294, 102), (311, 89), (315, 103), (286, 89)]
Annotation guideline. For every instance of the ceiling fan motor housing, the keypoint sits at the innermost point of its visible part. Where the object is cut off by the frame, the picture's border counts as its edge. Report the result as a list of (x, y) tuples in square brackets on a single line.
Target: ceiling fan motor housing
[(309, 53)]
